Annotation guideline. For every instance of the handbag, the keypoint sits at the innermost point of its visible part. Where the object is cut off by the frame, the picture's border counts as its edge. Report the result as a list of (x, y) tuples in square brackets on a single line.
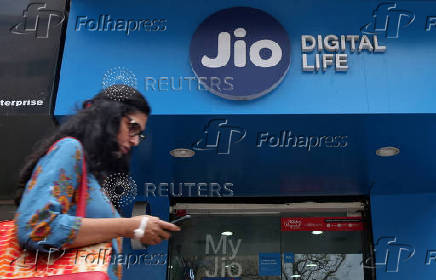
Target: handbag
[(90, 262)]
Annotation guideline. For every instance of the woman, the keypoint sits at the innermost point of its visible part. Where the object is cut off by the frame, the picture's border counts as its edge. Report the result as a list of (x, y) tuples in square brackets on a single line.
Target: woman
[(104, 131)]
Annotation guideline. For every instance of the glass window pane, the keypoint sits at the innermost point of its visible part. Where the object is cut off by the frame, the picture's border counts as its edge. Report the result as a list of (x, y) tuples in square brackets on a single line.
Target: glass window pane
[(202, 249), (252, 246), (322, 253)]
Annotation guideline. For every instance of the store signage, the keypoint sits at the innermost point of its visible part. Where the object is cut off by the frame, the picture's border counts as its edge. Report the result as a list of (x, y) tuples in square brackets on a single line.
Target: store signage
[(325, 46), (29, 45), (322, 224), (244, 45), (312, 63), (19, 103), (226, 264)]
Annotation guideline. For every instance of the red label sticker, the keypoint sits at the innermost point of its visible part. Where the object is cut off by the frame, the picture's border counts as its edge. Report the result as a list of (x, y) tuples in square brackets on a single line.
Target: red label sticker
[(322, 223)]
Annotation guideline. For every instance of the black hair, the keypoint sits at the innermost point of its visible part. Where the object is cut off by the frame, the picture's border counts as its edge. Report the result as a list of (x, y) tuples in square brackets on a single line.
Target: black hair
[(96, 126)]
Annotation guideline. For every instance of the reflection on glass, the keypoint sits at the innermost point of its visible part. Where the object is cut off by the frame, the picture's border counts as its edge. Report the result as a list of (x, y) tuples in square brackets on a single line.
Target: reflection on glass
[(258, 249)]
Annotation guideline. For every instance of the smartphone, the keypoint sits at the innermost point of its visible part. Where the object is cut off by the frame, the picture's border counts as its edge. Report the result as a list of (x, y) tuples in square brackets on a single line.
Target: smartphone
[(181, 220)]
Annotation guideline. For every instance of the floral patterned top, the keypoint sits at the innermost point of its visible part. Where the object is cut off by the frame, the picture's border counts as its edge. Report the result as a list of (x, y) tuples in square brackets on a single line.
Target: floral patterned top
[(46, 215)]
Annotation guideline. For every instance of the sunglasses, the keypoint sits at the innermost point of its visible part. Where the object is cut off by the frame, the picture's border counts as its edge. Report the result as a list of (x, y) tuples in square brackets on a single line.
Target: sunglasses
[(135, 129)]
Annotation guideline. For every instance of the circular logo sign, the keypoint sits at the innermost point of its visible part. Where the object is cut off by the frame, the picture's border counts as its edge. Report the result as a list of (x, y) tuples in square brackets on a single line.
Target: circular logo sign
[(240, 53)]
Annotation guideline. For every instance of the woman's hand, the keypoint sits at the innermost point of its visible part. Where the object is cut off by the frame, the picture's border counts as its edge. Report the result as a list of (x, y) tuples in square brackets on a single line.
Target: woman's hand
[(156, 229), (96, 230)]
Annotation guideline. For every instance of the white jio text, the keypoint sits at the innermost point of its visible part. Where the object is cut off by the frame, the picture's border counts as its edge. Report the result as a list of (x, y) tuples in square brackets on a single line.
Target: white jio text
[(334, 44)]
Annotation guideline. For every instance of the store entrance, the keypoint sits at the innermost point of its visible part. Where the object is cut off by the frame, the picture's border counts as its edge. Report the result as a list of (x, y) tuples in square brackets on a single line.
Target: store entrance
[(310, 241)]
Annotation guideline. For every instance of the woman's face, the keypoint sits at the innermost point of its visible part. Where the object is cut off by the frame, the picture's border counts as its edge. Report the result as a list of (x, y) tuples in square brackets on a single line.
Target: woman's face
[(130, 127)]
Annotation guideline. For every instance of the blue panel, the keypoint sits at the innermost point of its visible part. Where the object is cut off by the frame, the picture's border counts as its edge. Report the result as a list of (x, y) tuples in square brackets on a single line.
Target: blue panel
[(251, 170), (322, 169), (403, 230), (270, 264), (153, 260), (412, 171), (396, 81), (155, 265)]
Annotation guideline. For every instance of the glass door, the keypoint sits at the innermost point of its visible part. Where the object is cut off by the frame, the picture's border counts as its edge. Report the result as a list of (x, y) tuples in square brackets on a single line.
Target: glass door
[(268, 242)]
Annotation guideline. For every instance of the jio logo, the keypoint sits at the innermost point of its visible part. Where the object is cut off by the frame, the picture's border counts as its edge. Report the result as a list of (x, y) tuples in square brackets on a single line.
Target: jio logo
[(240, 53)]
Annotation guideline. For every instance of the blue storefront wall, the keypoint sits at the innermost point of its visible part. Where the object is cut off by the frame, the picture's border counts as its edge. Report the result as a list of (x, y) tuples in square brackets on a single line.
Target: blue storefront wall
[(374, 83), (404, 227), (334, 120)]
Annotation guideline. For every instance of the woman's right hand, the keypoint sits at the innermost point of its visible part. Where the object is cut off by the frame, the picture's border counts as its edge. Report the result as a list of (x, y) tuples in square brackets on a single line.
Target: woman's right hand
[(156, 230)]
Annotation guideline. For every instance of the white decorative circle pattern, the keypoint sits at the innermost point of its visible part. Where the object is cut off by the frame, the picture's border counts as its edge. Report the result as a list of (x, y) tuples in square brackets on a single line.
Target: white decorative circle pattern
[(125, 81), (120, 188)]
